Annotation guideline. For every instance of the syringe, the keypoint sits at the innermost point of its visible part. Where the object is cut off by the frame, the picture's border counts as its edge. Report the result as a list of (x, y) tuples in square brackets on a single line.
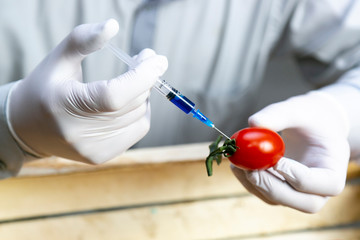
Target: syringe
[(168, 91)]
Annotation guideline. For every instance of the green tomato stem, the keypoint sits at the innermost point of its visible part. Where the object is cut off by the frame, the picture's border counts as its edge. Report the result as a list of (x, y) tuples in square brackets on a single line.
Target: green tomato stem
[(228, 149)]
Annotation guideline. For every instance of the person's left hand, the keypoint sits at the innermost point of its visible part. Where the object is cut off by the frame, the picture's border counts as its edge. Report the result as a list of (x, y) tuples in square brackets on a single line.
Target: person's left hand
[(314, 128)]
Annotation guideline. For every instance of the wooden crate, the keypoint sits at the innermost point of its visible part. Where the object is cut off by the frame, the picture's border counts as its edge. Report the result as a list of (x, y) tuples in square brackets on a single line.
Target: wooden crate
[(159, 193)]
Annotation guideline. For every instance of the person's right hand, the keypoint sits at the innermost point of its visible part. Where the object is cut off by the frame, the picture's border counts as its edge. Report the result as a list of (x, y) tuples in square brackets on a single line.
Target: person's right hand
[(52, 112)]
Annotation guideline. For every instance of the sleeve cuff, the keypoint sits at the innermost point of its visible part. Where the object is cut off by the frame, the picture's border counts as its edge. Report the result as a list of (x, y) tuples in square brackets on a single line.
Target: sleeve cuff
[(11, 155)]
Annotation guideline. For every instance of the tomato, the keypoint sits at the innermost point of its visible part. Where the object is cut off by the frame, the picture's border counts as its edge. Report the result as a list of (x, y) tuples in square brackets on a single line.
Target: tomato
[(257, 148)]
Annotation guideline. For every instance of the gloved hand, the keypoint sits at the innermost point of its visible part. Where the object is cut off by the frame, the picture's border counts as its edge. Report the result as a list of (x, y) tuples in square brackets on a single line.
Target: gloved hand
[(314, 128), (52, 112)]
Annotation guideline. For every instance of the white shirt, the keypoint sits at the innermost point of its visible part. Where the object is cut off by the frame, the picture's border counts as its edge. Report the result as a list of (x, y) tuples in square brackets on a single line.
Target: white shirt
[(218, 50)]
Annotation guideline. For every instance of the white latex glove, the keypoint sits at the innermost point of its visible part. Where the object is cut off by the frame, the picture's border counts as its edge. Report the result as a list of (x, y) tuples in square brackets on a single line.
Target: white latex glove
[(52, 112), (314, 128)]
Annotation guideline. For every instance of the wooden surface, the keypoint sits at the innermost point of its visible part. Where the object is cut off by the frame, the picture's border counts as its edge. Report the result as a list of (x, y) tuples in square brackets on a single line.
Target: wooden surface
[(169, 198)]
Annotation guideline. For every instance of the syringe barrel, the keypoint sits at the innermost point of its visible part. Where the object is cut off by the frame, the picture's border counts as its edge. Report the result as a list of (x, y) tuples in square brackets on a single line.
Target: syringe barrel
[(165, 89), (174, 96)]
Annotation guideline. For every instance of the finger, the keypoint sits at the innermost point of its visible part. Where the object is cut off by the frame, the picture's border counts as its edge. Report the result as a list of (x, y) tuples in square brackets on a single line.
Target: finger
[(278, 191), (241, 176), (131, 116), (144, 54), (114, 122), (313, 180), (117, 93), (135, 103), (121, 90), (125, 137)]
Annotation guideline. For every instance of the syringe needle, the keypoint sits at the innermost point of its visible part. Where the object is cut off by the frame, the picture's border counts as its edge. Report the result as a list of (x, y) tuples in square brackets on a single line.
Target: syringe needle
[(221, 132)]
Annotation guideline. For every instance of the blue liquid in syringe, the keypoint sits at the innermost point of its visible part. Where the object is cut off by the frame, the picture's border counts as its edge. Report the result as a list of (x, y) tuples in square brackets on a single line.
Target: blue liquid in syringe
[(188, 106)]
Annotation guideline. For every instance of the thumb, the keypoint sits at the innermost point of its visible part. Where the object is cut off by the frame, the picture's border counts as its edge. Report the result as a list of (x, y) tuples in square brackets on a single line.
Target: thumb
[(88, 38), (314, 112), (276, 117)]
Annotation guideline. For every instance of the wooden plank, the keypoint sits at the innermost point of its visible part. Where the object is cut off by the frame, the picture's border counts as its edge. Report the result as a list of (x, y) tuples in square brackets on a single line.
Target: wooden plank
[(120, 185), (228, 218), (131, 185), (353, 170), (156, 155), (158, 193), (351, 233)]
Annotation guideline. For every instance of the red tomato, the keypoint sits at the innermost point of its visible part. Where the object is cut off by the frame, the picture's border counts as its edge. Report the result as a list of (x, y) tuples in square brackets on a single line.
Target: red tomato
[(258, 148)]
